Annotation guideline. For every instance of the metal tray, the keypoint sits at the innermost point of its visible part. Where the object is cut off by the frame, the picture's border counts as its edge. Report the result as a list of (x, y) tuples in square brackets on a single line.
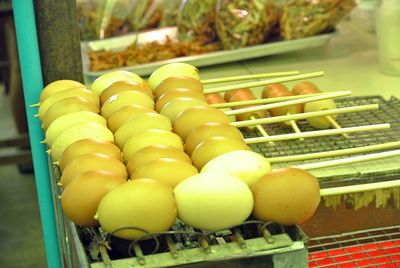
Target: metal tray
[(119, 43)]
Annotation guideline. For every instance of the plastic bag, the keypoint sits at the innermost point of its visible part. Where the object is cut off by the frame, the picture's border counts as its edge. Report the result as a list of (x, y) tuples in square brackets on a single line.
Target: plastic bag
[(169, 14), (99, 19), (242, 23), (303, 18), (145, 14), (196, 21)]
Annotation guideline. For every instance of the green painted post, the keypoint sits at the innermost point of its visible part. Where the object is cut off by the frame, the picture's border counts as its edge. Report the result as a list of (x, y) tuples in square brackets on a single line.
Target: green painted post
[(31, 71)]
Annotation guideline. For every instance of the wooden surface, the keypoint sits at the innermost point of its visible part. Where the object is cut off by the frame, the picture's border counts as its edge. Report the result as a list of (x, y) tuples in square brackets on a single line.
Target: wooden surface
[(59, 42)]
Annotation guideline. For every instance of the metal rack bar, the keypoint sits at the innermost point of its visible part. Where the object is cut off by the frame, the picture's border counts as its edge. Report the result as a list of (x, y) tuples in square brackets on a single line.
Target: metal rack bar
[(31, 71)]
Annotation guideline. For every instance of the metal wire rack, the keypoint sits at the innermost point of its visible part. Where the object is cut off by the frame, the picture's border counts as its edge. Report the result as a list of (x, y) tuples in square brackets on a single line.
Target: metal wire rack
[(368, 248), (183, 237), (387, 113)]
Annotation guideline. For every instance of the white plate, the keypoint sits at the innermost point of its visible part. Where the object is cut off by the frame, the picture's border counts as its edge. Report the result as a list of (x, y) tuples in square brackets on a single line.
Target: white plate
[(224, 56)]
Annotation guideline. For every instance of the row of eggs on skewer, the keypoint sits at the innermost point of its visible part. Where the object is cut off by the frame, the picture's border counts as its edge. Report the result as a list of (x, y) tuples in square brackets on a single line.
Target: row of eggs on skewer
[(204, 195)]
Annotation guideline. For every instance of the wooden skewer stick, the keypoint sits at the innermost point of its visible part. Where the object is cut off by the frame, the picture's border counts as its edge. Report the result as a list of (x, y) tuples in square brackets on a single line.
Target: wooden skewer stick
[(288, 103), (335, 124), (266, 101), (349, 160), (360, 188), (283, 118), (363, 149), (317, 133), (295, 127), (264, 82), (246, 77), (261, 129)]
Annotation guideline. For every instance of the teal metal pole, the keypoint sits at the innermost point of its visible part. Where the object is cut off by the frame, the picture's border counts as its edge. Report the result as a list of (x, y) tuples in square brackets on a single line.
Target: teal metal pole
[(31, 71)]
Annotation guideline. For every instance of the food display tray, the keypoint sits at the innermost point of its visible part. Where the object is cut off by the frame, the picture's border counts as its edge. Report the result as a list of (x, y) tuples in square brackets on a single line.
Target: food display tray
[(212, 58)]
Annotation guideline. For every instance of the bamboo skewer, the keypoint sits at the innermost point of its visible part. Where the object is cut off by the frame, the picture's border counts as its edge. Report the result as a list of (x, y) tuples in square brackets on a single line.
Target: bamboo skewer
[(264, 82), (246, 77), (261, 130), (335, 124), (317, 133), (268, 100), (277, 119), (288, 103), (295, 127), (349, 160), (341, 152), (351, 189)]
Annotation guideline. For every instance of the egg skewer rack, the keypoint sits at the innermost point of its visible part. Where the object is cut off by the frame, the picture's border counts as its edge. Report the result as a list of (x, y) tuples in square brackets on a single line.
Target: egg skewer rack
[(210, 242), (203, 241), (203, 247)]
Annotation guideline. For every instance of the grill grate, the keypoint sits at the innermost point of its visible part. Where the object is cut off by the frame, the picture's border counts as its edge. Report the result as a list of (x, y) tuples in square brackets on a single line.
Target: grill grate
[(389, 112), (367, 248)]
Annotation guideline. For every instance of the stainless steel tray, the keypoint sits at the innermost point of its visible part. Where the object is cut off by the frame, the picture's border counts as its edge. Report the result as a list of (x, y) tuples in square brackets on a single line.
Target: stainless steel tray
[(119, 43)]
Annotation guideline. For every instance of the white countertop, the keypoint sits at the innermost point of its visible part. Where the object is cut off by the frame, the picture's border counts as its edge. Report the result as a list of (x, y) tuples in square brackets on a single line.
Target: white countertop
[(349, 60)]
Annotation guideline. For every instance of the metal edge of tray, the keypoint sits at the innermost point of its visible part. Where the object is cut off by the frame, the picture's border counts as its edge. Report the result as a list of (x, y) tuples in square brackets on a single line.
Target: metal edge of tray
[(71, 248), (226, 253), (219, 57)]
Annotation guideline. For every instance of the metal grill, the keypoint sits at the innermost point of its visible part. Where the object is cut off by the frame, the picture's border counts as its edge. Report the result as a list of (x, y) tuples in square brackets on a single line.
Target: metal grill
[(184, 245), (367, 248), (388, 112)]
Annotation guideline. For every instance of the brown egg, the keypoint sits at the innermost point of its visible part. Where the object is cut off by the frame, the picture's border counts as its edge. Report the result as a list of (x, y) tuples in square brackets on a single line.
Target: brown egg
[(178, 81), (212, 129), (143, 203), (72, 92), (273, 90), (244, 96), (139, 123), (75, 132), (150, 137), (86, 146), (194, 117), (80, 200), (177, 93), (120, 86), (58, 86), (65, 106), (122, 115), (91, 162), (214, 98), (121, 99), (167, 170), (154, 152), (63, 122), (279, 90), (287, 196), (305, 87), (109, 78), (213, 147), (175, 107), (228, 94)]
